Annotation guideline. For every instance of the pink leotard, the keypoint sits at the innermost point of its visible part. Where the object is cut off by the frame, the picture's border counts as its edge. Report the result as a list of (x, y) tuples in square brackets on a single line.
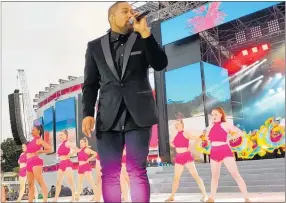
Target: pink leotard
[(82, 156), (63, 150), (32, 146), (217, 133), (180, 140)]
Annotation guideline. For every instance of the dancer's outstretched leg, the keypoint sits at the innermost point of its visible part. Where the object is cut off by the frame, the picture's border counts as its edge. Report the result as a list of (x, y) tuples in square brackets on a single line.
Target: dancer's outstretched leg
[(231, 166), (177, 175), (193, 171)]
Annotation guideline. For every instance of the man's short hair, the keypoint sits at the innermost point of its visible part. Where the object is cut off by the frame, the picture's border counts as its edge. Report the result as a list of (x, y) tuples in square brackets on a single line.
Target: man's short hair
[(113, 7)]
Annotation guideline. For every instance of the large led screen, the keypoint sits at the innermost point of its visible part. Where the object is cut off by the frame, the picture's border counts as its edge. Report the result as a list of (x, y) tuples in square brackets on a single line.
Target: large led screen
[(66, 119), (49, 135), (207, 16), (217, 89), (79, 122), (185, 105)]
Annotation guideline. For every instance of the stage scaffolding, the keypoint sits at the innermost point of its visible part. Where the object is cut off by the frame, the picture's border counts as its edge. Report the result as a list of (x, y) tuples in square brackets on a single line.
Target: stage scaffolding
[(221, 43), (163, 10)]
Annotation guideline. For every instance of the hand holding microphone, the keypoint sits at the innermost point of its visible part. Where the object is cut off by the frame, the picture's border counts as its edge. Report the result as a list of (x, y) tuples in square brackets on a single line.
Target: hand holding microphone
[(140, 24)]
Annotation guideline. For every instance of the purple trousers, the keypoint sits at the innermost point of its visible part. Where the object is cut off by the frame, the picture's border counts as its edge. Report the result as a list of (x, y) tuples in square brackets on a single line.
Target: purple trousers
[(110, 148)]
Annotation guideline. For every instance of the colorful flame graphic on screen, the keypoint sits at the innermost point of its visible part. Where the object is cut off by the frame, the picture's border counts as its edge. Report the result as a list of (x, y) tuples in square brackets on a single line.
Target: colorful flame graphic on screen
[(206, 17)]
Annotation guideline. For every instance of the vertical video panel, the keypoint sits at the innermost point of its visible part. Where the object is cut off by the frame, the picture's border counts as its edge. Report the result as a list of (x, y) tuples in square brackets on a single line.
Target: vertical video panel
[(185, 105), (217, 90), (79, 117), (49, 124), (66, 119)]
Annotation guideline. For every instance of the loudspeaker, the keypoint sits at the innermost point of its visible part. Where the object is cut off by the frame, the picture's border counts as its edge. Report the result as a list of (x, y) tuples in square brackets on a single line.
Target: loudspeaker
[(16, 119)]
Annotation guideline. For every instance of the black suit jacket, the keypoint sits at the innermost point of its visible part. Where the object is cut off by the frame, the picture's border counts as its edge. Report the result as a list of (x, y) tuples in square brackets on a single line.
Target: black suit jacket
[(132, 85)]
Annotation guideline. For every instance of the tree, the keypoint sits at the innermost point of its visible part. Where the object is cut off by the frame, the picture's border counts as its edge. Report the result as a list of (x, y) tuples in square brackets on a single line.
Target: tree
[(11, 153)]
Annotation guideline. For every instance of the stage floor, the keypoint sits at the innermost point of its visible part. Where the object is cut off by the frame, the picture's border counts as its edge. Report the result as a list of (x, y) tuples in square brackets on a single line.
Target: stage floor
[(221, 197)]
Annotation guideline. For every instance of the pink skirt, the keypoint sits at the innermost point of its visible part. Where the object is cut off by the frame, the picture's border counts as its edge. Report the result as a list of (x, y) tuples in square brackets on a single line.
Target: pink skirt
[(34, 161), (64, 164), (183, 158), (84, 168), (218, 153)]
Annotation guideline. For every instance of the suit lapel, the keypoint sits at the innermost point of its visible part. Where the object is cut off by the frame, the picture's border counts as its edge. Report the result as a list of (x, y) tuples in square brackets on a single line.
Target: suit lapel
[(107, 55), (130, 42)]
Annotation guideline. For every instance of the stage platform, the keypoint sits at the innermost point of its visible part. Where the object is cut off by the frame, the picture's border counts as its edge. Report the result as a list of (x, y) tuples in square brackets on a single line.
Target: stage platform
[(194, 197)]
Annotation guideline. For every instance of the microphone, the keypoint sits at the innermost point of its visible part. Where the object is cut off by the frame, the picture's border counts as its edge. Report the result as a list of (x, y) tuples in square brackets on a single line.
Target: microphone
[(140, 16)]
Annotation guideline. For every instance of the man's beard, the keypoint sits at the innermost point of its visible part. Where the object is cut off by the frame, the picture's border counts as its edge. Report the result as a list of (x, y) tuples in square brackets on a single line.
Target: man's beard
[(128, 28)]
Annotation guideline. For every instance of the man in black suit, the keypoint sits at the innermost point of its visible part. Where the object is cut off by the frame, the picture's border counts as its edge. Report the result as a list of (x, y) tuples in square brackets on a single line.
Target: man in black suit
[(117, 64)]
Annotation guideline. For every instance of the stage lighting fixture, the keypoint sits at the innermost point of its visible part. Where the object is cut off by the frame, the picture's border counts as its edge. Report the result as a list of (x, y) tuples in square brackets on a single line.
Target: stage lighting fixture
[(278, 75), (254, 50), (271, 91), (255, 32), (265, 47), (240, 37), (273, 25), (244, 52)]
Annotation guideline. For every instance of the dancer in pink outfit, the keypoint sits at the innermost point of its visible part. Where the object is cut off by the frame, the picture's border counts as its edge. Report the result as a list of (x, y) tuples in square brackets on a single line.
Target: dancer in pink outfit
[(22, 171), (98, 180), (65, 165), (221, 152), (84, 168), (184, 158), (35, 163)]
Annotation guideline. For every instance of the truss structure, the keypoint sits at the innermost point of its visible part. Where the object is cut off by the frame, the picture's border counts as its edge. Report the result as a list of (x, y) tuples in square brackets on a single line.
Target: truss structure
[(28, 110), (256, 29), (161, 10), (221, 43), (212, 50)]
